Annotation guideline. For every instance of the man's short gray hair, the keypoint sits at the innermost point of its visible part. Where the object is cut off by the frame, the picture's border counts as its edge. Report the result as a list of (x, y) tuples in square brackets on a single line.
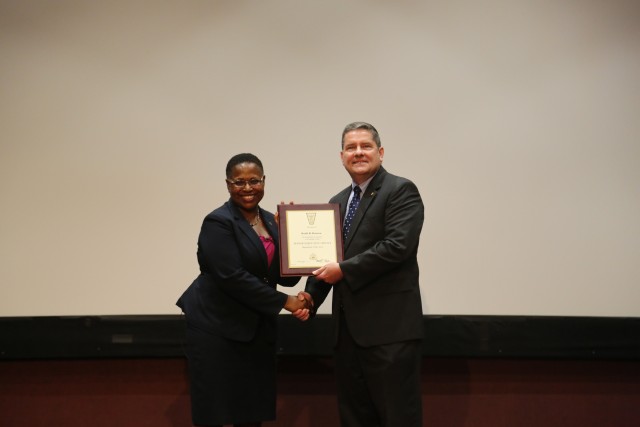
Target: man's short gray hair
[(365, 126)]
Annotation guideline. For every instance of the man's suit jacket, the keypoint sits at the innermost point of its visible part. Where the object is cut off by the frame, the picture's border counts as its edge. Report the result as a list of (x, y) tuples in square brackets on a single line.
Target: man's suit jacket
[(379, 295), (236, 288)]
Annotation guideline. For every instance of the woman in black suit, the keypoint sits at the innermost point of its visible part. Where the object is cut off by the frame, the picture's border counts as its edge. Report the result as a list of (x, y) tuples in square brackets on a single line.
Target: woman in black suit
[(232, 307)]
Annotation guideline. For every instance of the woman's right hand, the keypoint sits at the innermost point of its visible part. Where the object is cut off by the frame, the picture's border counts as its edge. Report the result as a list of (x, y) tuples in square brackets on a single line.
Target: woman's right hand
[(299, 306)]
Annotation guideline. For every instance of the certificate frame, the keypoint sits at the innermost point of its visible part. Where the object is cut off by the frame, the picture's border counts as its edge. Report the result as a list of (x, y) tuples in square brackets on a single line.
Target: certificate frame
[(310, 236)]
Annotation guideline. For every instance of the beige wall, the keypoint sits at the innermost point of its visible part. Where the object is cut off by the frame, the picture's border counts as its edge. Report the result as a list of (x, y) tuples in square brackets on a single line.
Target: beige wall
[(517, 120)]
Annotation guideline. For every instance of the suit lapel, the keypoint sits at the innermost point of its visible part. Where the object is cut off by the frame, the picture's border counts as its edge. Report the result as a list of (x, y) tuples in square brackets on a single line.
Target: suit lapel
[(249, 233), (365, 202), (271, 228)]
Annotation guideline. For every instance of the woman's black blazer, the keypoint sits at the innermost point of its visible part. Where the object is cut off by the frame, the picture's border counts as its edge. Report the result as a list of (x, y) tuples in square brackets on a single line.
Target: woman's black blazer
[(236, 288)]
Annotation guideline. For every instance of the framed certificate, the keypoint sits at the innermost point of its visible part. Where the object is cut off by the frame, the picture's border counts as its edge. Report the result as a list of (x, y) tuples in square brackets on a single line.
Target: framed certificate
[(310, 237)]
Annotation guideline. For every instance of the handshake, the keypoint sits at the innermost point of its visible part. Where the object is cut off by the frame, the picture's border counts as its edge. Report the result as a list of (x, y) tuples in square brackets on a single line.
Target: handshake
[(300, 306)]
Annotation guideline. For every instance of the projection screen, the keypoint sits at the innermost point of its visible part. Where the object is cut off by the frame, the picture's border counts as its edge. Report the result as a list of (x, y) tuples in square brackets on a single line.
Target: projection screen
[(518, 121)]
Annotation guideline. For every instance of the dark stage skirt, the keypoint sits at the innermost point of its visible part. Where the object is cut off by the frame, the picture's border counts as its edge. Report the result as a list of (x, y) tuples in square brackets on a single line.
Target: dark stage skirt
[(230, 381)]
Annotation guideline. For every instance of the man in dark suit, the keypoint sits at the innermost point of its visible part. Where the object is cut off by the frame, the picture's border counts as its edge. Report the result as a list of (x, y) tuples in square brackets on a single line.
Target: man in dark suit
[(377, 308)]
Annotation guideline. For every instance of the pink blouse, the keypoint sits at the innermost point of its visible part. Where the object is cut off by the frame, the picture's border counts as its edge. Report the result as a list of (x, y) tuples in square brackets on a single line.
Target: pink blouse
[(269, 246)]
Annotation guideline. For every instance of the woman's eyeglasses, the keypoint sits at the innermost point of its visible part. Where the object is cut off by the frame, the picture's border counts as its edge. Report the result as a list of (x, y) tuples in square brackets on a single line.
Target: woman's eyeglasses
[(241, 183)]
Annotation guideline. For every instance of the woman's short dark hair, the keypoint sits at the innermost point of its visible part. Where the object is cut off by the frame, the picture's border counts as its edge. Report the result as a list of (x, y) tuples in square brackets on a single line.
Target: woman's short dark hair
[(365, 126), (242, 158)]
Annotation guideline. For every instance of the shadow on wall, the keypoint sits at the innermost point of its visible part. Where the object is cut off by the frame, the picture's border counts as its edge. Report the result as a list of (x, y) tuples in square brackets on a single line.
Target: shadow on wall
[(178, 413), (307, 393), (445, 392)]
